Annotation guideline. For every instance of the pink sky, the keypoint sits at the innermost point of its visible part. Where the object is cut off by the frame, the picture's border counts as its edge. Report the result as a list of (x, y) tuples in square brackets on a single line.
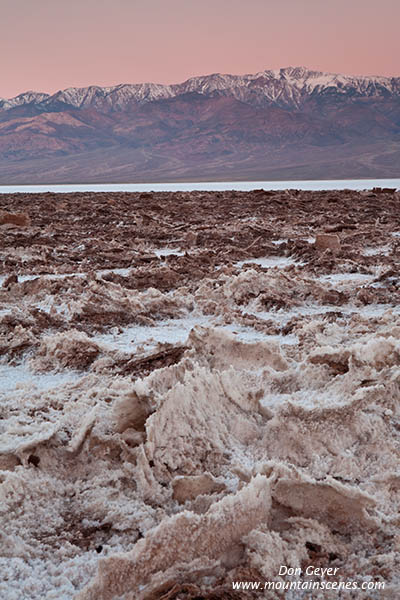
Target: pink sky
[(46, 45)]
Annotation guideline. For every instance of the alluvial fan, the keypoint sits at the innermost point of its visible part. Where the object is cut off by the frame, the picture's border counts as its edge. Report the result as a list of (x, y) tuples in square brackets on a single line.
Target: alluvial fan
[(198, 389)]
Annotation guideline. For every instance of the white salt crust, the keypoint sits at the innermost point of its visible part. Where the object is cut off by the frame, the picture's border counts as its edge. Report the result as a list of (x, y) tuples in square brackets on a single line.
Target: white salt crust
[(269, 262)]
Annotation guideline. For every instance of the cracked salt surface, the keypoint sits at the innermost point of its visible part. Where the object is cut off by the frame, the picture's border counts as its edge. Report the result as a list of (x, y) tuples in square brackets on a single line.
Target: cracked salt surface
[(161, 252), (278, 242), (120, 271), (124, 271), (15, 377), (283, 316), (51, 276), (344, 278), (49, 304), (377, 250), (374, 310), (172, 331), (307, 399), (269, 262), (248, 334), (176, 331), (21, 278), (236, 413)]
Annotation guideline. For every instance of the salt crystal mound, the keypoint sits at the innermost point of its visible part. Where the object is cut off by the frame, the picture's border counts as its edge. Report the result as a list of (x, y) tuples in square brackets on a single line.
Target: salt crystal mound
[(111, 453), (168, 428)]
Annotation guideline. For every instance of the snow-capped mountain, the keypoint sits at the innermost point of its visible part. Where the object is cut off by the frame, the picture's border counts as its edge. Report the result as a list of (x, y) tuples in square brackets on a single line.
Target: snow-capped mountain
[(284, 123), (289, 87), (25, 98)]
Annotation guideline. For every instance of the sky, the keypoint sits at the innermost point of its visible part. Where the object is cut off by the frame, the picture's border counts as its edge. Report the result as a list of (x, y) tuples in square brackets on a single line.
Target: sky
[(47, 45)]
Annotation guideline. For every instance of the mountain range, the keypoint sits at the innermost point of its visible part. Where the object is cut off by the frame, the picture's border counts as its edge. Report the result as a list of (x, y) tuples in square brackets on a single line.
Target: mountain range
[(291, 123)]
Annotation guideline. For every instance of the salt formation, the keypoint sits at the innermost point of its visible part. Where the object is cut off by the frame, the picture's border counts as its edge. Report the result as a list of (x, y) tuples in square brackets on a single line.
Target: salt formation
[(170, 426)]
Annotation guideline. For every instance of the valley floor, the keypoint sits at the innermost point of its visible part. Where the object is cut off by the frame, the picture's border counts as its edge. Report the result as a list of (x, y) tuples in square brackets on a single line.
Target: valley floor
[(196, 389)]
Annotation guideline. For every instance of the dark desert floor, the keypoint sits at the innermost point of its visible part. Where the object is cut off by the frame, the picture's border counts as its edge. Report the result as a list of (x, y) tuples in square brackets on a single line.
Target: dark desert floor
[(195, 389)]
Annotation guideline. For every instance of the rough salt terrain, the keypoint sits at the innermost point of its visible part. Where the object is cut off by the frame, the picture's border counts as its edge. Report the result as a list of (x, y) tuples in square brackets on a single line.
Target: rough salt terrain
[(196, 388)]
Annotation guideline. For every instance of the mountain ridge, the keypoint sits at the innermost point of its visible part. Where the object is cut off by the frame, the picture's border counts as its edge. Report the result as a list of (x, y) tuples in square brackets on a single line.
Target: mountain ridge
[(292, 121), (300, 79)]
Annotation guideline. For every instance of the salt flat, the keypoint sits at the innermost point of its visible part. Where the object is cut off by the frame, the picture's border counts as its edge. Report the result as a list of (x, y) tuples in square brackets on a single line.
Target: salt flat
[(193, 388)]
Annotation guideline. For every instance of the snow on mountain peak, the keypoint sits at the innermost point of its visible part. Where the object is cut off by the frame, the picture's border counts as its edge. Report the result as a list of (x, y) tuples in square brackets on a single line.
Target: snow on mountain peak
[(289, 86), (24, 98)]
